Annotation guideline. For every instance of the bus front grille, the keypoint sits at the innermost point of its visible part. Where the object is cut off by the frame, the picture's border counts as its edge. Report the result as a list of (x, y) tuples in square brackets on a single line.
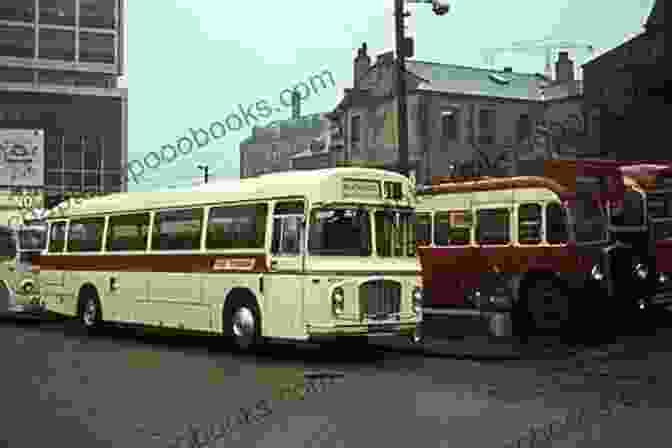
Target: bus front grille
[(379, 299)]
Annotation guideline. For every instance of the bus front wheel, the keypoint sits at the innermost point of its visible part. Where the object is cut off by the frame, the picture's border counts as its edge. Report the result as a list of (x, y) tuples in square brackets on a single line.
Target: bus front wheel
[(242, 324), (90, 313), (546, 309)]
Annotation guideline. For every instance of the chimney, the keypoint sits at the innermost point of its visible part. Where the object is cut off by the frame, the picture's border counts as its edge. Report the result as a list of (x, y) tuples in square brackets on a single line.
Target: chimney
[(508, 70), (361, 65), (564, 68), (296, 105)]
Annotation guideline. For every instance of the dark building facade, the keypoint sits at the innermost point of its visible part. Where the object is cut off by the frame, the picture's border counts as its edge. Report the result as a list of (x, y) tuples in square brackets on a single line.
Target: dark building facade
[(60, 61), (625, 97)]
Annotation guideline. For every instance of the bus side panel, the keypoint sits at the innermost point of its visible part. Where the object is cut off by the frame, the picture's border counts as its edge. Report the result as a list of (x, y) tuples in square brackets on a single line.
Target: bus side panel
[(448, 275)]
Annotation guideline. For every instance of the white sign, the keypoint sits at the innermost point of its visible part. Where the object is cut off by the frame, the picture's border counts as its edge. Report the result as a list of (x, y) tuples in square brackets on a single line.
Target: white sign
[(22, 157)]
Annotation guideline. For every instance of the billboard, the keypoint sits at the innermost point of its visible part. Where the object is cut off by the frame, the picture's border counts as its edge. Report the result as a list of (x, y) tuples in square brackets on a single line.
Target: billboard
[(22, 157)]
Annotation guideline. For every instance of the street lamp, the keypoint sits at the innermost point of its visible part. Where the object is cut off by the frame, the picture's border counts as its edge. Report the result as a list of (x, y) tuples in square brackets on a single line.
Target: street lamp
[(404, 49), (205, 172)]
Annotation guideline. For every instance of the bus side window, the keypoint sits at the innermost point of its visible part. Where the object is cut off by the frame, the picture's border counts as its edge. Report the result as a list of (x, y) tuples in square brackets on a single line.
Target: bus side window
[(288, 228), (556, 224), (86, 235), (177, 230), (239, 227), (529, 224), (128, 232), (447, 233), (57, 237), (493, 226), (423, 229)]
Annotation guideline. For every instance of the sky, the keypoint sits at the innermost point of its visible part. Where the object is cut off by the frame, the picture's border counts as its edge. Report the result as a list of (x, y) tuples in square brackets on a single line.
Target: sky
[(194, 61)]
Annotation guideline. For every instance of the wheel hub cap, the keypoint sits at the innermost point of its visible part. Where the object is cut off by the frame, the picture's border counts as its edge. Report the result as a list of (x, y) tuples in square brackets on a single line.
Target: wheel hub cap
[(243, 324)]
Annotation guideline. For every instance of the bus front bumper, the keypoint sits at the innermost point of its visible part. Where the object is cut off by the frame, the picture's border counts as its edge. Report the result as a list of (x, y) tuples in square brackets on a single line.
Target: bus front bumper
[(27, 305), (369, 328)]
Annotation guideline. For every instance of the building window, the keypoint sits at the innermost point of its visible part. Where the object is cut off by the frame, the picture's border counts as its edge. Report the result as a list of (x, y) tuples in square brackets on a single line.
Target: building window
[(486, 121), (17, 41), (57, 44), (96, 48), (523, 128), (58, 77), (97, 14), (16, 75), (57, 12), (449, 126), (356, 131), (19, 10), (72, 153)]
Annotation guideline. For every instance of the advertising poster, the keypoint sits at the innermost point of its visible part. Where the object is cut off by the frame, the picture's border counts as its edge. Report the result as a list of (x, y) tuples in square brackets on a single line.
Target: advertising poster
[(22, 157)]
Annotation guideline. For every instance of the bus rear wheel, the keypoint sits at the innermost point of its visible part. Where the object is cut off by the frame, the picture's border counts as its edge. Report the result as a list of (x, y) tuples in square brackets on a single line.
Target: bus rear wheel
[(242, 325)]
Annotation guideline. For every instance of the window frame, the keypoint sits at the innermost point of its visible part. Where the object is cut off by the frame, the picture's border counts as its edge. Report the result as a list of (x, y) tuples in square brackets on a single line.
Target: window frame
[(546, 228), (109, 230), (65, 224), (283, 217), (542, 232), (156, 213), (82, 220), (477, 220), (264, 226), (451, 220)]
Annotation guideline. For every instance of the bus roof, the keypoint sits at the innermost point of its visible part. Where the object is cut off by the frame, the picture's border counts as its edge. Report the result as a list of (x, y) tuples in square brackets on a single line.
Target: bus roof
[(559, 176), (323, 185)]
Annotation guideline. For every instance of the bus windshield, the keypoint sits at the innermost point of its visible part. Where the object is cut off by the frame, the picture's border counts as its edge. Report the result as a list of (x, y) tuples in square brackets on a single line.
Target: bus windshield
[(32, 238), (395, 233), (590, 222), (340, 231)]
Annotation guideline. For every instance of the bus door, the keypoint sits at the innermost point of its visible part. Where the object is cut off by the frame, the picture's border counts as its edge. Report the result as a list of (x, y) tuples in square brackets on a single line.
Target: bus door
[(8, 274), (52, 276), (283, 286)]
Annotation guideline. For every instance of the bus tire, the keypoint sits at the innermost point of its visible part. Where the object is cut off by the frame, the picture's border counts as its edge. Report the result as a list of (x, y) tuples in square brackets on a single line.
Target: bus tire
[(242, 324), (89, 311), (546, 308)]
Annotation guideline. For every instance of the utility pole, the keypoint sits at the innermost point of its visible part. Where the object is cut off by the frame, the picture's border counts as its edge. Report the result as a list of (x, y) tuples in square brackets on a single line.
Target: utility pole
[(402, 118), (205, 172), (404, 49)]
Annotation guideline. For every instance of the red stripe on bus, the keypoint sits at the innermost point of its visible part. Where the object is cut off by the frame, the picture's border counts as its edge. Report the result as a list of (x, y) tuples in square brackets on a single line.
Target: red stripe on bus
[(187, 263)]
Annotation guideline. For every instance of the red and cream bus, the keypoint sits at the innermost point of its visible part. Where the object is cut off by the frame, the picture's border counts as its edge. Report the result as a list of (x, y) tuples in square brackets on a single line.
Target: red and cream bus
[(299, 255), (534, 251)]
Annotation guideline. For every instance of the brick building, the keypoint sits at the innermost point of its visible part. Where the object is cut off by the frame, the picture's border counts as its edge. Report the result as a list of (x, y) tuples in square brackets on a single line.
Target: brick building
[(625, 96)]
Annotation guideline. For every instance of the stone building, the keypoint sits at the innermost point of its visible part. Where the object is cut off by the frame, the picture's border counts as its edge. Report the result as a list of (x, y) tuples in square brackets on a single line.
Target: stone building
[(459, 118)]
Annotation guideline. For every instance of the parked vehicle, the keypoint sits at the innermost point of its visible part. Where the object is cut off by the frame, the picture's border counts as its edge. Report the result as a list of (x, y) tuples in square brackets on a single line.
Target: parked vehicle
[(19, 285), (534, 251)]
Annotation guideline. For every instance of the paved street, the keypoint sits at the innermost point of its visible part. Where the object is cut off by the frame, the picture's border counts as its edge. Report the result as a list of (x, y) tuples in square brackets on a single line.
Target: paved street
[(126, 389)]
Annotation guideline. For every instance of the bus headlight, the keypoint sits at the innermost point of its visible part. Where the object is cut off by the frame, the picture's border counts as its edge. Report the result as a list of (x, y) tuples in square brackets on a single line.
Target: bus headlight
[(663, 278), (641, 271), (417, 299), (338, 300), (27, 287), (596, 273)]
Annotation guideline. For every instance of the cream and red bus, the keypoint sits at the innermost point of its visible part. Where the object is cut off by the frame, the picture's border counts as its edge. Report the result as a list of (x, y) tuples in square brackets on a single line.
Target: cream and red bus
[(302, 255), (533, 251)]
